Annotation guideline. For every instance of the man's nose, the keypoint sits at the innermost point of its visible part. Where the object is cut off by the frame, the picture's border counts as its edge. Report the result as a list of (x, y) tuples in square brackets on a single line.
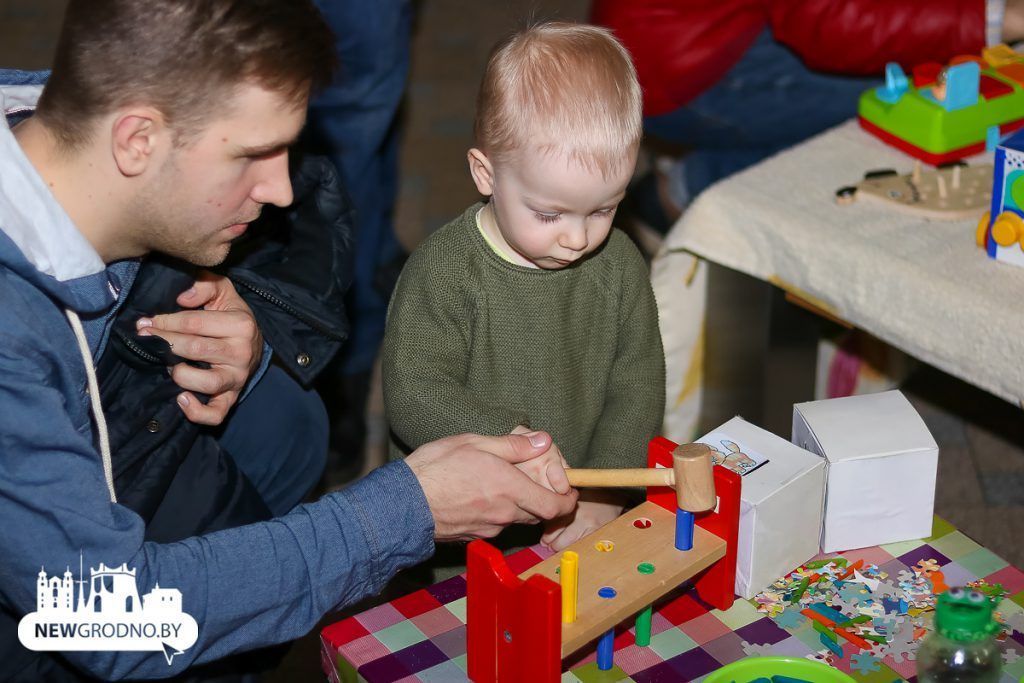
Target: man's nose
[(275, 185)]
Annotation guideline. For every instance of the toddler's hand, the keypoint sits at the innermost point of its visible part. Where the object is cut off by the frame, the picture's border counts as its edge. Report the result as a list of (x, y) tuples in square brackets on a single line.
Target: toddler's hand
[(595, 509), (548, 469)]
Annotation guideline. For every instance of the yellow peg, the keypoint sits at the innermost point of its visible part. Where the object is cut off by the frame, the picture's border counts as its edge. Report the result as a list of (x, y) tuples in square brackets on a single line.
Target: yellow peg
[(568, 573)]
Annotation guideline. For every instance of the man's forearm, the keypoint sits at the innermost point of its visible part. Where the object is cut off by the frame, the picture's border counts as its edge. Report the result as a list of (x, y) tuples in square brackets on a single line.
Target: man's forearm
[(320, 557), (270, 582)]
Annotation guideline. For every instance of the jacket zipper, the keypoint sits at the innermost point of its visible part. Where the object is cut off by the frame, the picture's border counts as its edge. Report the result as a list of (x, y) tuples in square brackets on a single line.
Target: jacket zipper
[(291, 310), (138, 350)]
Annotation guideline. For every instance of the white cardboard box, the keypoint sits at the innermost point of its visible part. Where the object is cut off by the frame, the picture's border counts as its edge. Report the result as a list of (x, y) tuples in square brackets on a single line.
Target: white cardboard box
[(881, 468), (781, 502)]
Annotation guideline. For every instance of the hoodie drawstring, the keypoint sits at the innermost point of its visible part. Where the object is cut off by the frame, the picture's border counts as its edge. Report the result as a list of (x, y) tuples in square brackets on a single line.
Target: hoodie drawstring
[(94, 398)]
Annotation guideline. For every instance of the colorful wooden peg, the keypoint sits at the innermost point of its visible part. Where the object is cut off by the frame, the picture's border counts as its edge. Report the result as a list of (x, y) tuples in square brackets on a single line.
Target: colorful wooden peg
[(606, 650), (569, 573), (643, 628), (684, 530)]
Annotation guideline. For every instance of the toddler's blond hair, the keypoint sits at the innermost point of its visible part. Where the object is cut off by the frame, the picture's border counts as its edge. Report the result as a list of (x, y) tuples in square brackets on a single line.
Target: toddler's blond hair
[(562, 88)]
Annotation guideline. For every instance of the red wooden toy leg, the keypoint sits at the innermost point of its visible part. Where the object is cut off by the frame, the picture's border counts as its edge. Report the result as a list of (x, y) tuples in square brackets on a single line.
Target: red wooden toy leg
[(715, 586), (513, 627)]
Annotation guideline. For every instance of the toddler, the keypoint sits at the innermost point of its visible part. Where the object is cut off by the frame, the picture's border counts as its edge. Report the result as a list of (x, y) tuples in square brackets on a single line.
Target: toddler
[(529, 311)]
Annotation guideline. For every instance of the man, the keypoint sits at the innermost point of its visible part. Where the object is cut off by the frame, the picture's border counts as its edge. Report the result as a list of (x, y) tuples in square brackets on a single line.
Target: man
[(165, 127)]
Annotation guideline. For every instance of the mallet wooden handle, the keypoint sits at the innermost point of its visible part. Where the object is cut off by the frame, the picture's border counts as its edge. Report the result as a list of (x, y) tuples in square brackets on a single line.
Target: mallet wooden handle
[(690, 475), (640, 476)]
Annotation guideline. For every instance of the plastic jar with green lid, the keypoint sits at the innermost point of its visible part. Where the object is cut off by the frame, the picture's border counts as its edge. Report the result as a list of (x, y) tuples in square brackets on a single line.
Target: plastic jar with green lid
[(963, 646)]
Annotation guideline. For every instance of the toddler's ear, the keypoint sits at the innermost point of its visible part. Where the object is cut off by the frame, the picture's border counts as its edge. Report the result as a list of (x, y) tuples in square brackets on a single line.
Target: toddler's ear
[(482, 171)]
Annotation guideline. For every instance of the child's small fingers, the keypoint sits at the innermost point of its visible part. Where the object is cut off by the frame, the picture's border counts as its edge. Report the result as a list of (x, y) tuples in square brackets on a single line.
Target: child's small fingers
[(553, 528), (549, 536), (567, 539), (538, 475), (557, 478)]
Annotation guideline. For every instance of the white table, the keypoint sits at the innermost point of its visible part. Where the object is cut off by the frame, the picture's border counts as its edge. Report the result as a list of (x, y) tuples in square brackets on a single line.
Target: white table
[(922, 286)]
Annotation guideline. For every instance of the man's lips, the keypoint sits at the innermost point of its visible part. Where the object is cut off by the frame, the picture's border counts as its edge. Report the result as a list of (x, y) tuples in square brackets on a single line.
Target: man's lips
[(237, 229)]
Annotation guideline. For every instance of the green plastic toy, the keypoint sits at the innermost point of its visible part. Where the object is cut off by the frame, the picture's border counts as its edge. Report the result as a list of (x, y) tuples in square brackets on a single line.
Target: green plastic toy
[(945, 113), (778, 670)]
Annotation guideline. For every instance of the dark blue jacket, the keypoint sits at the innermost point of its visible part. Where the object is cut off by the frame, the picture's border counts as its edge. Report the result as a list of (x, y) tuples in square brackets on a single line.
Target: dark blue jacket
[(292, 267)]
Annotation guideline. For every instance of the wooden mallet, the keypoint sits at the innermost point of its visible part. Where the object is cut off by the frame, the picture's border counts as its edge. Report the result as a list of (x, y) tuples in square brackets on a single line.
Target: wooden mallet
[(691, 476)]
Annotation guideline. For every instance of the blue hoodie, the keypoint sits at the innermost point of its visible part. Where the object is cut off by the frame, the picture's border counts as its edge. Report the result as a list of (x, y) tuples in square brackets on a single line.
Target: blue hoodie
[(246, 587)]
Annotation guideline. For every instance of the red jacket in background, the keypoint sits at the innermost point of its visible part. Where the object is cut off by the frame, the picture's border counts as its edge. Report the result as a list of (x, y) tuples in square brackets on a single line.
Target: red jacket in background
[(683, 47)]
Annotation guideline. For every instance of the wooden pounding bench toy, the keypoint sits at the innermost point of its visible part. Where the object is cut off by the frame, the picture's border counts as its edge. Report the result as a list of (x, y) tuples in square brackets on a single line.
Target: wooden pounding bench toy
[(519, 628)]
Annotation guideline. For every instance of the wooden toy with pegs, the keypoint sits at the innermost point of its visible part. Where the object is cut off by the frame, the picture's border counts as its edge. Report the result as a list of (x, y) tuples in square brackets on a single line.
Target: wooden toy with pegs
[(519, 628), (953, 192)]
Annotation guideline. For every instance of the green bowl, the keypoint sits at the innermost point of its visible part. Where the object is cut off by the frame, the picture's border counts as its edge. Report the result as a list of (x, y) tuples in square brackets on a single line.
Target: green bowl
[(753, 668)]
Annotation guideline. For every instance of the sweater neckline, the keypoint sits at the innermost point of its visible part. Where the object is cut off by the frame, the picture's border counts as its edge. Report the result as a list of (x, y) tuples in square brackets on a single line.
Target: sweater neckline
[(497, 260)]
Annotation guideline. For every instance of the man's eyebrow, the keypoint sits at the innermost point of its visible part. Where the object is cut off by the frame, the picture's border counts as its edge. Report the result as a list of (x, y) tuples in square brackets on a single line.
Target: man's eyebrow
[(264, 150)]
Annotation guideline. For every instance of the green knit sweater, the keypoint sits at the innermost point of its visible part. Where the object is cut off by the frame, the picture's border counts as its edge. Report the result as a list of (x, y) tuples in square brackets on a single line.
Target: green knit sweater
[(477, 344)]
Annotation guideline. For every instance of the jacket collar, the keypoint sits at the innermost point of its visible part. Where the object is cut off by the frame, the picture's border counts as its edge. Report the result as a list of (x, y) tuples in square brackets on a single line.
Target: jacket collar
[(37, 238)]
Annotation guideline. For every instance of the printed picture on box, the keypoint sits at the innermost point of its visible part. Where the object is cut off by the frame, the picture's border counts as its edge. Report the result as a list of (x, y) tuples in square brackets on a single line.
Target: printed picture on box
[(731, 455)]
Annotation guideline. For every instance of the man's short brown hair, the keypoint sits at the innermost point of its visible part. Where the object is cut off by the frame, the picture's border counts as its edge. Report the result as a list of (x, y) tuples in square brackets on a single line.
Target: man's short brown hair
[(183, 57)]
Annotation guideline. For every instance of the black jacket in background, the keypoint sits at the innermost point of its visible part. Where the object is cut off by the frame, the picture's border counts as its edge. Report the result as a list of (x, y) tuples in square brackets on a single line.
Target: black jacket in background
[(292, 268)]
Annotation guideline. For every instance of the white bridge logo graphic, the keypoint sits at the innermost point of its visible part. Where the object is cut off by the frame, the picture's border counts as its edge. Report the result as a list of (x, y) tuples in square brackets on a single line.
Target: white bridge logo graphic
[(110, 617)]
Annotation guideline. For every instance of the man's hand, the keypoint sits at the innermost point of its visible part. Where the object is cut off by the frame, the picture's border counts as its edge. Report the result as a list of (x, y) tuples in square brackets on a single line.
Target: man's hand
[(474, 489), (548, 469), (596, 508), (223, 334)]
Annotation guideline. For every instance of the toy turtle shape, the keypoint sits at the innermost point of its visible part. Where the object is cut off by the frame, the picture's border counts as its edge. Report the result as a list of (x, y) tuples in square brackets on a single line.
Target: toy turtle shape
[(950, 192)]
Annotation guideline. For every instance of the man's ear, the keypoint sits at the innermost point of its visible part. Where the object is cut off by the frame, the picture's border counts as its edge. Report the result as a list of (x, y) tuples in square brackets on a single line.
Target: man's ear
[(137, 136), (482, 171)]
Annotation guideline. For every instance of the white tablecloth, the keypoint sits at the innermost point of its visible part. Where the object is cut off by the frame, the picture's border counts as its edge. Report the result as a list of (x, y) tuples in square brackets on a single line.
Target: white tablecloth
[(922, 286)]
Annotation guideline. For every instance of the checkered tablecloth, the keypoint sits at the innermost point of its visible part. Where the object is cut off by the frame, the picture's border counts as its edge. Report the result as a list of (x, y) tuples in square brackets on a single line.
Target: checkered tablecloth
[(422, 636)]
